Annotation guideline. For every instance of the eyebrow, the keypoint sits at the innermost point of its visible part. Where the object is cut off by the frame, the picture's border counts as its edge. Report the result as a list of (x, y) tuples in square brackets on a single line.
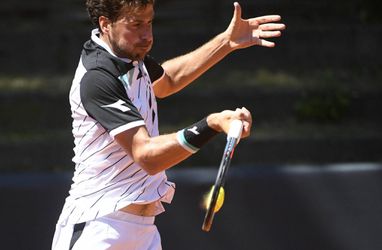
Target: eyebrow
[(134, 19)]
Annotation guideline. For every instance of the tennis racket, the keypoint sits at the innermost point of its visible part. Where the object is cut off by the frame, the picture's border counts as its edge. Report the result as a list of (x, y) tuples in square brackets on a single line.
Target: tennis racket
[(233, 138)]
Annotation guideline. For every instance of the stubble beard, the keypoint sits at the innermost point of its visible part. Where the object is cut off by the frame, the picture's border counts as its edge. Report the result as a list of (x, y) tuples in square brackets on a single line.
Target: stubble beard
[(124, 53)]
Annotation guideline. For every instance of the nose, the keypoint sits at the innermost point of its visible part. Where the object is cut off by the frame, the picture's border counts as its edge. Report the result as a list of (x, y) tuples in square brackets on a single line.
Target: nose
[(147, 34)]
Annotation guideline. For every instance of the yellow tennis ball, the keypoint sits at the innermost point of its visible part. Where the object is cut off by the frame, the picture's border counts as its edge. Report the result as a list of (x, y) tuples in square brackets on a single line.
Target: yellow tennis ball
[(219, 201)]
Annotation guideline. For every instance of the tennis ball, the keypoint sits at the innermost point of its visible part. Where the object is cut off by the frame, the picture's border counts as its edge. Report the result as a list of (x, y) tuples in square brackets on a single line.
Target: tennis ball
[(219, 201)]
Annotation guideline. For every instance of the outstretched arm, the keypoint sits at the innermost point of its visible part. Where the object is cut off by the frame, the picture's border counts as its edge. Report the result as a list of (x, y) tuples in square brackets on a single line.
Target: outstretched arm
[(241, 33)]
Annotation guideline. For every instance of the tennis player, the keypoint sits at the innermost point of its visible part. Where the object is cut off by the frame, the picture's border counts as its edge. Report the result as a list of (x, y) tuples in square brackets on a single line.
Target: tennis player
[(120, 159)]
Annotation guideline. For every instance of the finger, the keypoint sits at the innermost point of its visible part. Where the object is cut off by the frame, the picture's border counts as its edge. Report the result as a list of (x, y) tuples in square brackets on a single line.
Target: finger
[(242, 114), (246, 129), (237, 11), (247, 116), (270, 34), (247, 123), (272, 26), (247, 113), (266, 43), (266, 19)]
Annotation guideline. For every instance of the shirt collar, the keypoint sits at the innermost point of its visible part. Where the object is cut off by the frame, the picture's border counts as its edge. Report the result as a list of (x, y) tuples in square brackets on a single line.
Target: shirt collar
[(100, 42)]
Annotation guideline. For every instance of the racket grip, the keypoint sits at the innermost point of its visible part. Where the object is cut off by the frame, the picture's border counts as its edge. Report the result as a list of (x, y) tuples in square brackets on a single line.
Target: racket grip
[(236, 127)]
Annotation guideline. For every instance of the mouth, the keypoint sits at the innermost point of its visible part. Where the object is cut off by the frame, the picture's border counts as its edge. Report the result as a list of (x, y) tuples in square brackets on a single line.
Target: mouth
[(144, 46)]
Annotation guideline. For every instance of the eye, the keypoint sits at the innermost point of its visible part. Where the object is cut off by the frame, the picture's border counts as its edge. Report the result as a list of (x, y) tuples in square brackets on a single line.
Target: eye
[(136, 24)]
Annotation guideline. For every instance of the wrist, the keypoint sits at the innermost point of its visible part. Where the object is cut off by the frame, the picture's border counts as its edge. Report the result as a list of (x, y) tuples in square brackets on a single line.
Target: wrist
[(195, 136), (224, 40), (213, 122)]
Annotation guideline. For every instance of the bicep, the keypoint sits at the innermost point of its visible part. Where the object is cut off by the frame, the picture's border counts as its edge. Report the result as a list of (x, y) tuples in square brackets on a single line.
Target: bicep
[(159, 77), (162, 86), (133, 141), (153, 154)]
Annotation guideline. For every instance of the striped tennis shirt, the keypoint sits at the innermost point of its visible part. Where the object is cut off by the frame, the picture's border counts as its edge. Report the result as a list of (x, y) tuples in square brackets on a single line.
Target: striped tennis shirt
[(110, 95)]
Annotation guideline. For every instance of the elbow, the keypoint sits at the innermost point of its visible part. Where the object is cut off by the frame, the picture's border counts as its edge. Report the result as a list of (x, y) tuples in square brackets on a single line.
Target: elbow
[(150, 170), (149, 167), (162, 92), (165, 87), (160, 95)]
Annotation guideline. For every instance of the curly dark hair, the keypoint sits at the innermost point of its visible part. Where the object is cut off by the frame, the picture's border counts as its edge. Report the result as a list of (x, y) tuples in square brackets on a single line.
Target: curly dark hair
[(112, 8)]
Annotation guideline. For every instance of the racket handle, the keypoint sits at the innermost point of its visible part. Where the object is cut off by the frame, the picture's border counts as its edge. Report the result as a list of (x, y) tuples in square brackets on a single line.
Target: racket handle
[(236, 127), (206, 227)]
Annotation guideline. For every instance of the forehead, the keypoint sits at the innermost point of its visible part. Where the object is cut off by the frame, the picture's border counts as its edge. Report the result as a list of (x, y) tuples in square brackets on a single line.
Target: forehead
[(137, 13)]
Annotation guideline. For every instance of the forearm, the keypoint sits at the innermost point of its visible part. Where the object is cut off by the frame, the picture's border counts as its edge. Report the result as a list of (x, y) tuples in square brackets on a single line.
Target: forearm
[(160, 153), (182, 70), (153, 154), (156, 154)]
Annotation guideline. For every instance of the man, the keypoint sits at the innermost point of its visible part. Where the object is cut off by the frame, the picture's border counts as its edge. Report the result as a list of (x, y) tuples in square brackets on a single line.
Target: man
[(119, 182)]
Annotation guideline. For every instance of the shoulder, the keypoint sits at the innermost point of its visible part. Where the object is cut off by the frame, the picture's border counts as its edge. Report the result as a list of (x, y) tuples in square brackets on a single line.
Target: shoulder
[(154, 69), (95, 57), (98, 83)]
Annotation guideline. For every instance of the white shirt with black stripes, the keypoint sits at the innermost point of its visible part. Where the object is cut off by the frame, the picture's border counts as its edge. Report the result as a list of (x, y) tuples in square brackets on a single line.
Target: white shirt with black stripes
[(106, 100)]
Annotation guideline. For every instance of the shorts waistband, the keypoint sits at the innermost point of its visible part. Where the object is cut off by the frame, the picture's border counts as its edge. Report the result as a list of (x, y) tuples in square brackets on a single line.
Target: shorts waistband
[(120, 215)]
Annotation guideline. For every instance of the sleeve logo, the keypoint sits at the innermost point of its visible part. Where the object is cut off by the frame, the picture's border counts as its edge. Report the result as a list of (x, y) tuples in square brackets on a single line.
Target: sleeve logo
[(118, 105), (194, 130)]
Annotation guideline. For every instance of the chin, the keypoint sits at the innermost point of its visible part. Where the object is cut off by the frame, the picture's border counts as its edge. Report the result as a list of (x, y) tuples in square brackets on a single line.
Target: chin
[(137, 57), (131, 56)]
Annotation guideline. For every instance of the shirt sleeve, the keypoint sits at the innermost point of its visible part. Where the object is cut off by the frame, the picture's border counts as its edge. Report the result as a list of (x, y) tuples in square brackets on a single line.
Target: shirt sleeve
[(105, 100), (154, 69)]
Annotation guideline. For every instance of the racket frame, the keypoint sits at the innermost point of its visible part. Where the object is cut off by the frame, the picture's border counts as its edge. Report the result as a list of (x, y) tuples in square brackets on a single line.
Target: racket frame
[(232, 140)]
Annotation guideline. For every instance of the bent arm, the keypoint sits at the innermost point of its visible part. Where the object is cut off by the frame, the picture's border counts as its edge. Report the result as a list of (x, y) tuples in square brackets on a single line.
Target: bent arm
[(155, 154)]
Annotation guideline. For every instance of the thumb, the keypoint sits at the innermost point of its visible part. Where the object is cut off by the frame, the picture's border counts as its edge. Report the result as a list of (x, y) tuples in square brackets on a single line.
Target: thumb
[(237, 11)]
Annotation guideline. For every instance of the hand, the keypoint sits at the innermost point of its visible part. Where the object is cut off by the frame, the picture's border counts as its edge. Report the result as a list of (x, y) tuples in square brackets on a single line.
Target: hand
[(222, 121), (244, 33)]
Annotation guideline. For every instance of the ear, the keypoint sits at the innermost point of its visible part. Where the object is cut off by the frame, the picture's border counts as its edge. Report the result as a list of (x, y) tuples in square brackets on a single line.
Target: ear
[(104, 24)]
